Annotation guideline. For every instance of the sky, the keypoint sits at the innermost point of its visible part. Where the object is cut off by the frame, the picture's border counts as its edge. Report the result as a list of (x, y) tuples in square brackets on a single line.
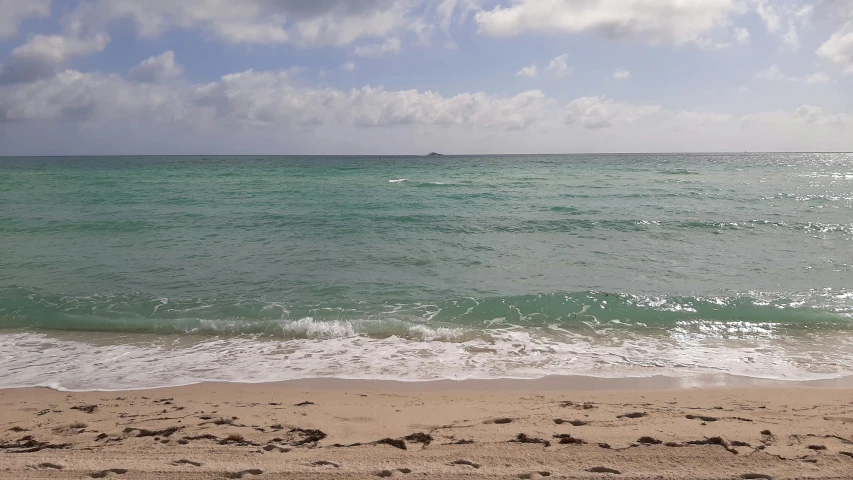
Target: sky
[(115, 77)]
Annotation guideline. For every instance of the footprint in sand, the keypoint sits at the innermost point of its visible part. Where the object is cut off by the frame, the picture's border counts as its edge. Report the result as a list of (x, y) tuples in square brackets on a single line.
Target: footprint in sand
[(109, 473), (633, 415), (839, 419), (244, 473), (85, 408), (499, 421), (574, 423), (465, 462), (398, 472), (47, 465), (534, 475), (649, 441), (704, 418), (275, 448), (184, 461), (604, 470), (325, 463), (756, 476)]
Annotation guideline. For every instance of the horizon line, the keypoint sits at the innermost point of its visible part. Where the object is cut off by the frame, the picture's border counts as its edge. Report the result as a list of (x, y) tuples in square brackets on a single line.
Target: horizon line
[(719, 152)]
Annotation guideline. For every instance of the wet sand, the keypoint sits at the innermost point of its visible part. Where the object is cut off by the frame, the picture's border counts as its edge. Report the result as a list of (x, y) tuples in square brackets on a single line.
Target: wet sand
[(562, 427)]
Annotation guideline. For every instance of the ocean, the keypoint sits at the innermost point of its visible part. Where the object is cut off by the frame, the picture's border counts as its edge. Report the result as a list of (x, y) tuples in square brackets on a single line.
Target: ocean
[(133, 272)]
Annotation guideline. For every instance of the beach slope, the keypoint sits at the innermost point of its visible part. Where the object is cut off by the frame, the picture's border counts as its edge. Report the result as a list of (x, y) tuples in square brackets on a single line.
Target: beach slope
[(344, 430)]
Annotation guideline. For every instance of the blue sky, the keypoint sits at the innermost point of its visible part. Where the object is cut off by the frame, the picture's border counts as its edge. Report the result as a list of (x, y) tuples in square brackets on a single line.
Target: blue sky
[(409, 76)]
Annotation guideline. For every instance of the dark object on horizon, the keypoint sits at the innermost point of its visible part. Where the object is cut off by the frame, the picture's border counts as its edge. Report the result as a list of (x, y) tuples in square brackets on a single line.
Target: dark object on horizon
[(433, 154)]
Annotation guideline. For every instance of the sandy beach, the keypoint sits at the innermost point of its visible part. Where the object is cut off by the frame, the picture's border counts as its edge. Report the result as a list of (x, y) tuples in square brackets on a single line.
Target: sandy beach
[(557, 428)]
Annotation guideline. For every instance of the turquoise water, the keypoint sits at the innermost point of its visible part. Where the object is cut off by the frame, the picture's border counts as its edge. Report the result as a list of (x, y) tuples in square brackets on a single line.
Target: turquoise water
[(269, 268)]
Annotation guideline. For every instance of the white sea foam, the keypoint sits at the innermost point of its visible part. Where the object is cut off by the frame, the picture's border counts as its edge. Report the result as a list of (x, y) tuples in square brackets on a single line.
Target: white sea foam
[(398, 180), (307, 327), (86, 361)]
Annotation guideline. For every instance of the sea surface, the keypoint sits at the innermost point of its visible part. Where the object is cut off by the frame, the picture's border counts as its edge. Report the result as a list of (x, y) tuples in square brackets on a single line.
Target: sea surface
[(132, 272)]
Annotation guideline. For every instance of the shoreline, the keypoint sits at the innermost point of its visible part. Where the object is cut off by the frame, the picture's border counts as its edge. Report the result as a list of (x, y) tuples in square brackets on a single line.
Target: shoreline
[(565, 427), (582, 383), (546, 383)]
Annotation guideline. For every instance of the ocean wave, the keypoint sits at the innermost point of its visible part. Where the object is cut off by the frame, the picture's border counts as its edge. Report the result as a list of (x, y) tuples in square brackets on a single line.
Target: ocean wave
[(454, 320), (121, 341), (433, 184)]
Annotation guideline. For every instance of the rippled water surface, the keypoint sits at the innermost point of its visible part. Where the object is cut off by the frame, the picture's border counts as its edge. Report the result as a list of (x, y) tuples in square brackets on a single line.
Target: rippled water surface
[(122, 272)]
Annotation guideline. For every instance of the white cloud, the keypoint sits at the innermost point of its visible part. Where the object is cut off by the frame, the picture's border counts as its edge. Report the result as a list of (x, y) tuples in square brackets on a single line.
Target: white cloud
[(300, 22), (264, 99), (273, 99), (805, 115), (787, 17), (602, 112), (804, 11), (270, 98), (42, 55), (269, 111), (621, 74), (816, 116), (655, 21), (252, 33), (57, 48), (768, 14), (791, 40), (74, 96), (839, 50), (13, 12), (448, 10), (702, 23), (774, 73), (155, 69), (528, 71), (274, 103), (559, 66), (390, 45)]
